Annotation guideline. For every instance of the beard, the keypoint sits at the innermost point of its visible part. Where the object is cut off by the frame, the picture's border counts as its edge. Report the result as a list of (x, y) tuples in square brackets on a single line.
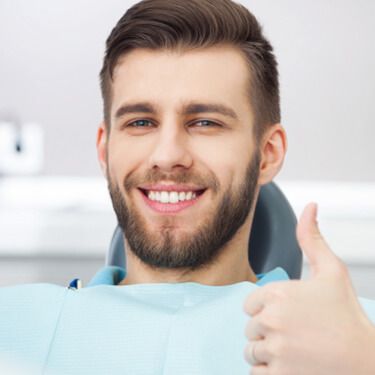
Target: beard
[(190, 250)]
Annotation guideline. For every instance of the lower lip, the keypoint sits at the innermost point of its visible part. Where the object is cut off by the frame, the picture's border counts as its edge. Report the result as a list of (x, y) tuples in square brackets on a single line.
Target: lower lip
[(169, 208)]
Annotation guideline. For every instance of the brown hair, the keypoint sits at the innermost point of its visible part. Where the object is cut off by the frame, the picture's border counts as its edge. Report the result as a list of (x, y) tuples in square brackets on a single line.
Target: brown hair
[(182, 24)]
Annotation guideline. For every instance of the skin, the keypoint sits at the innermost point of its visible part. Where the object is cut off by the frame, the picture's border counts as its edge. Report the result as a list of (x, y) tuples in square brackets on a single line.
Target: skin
[(311, 327), (170, 80)]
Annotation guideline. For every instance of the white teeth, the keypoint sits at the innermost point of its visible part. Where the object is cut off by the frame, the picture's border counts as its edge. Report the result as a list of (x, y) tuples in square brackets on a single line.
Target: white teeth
[(170, 197), (164, 197), (181, 196), (157, 196), (173, 197)]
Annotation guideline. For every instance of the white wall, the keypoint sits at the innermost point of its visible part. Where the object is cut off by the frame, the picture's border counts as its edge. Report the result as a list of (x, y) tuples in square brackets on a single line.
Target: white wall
[(326, 54), (51, 53)]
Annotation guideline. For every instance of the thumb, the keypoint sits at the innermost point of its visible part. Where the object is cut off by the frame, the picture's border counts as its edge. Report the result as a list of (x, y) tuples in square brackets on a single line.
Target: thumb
[(312, 243)]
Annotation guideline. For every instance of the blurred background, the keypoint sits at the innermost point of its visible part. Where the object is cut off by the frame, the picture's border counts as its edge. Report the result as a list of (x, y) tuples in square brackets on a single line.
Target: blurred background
[(56, 219)]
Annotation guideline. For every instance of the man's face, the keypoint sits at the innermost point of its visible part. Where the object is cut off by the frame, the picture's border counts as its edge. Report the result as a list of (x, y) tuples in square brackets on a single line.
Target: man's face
[(182, 164)]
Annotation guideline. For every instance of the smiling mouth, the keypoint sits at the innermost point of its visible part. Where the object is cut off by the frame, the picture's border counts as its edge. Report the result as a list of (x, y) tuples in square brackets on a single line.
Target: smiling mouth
[(171, 197)]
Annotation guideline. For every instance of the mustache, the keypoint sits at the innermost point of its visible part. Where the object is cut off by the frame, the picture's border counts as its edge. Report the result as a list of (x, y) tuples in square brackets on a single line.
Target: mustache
[(154, 176)]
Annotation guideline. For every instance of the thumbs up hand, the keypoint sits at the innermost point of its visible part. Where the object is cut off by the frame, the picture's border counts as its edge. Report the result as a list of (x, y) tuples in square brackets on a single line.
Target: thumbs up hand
[(310, 327)]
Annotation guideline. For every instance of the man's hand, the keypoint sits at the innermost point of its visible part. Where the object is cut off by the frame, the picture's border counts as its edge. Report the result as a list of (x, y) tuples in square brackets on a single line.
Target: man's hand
[(315, 326)]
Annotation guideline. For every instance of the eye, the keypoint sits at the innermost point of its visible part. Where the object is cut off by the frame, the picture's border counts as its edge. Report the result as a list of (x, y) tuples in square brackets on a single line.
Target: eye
[(141, 124), (205, 123)]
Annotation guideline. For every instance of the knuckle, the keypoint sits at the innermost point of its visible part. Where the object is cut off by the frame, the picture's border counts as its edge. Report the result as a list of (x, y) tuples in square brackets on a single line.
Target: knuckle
[(277, 348), (268, 321), (276, 292), (339, 270)]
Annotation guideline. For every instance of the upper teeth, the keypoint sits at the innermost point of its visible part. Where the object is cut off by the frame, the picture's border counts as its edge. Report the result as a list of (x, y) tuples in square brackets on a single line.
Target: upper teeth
[(170, 196)]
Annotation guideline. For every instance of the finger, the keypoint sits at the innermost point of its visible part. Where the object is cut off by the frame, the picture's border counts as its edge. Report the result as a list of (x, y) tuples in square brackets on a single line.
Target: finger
[(260, 370), (256, 350), (312, 243), (255, 301), (254, 329)]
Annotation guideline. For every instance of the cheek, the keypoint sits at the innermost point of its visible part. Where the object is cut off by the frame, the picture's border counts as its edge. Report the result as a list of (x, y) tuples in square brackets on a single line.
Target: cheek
[(124, 157), (228, 157)]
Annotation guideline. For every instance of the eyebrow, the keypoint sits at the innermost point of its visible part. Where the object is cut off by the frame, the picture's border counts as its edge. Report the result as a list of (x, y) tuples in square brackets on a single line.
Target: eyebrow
[(134, 108), (211, 108), (192, 108)]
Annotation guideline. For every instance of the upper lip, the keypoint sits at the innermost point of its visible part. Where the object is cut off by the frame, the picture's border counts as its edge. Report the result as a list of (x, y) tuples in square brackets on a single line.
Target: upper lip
[(162, 187)]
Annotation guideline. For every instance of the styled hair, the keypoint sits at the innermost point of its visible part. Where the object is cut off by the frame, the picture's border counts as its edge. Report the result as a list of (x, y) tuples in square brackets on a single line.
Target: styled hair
[(198, 24)]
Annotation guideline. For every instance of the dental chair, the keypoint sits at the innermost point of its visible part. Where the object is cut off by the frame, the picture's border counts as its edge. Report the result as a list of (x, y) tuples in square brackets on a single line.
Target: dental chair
[(272, 244)]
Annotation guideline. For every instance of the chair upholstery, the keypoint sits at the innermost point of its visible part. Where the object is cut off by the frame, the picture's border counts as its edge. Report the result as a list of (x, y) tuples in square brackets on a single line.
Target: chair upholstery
[(272, 242)]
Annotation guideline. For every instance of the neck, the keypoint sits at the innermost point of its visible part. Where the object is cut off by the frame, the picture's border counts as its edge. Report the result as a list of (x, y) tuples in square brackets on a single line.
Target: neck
[(230, 267)]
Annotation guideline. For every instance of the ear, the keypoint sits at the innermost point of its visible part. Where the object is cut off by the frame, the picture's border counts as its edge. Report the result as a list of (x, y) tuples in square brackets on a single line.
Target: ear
[(101, 146), (274, 145)]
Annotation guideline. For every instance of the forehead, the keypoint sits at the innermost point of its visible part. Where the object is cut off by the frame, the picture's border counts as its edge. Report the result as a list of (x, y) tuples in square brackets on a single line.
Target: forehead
[(170, 78)]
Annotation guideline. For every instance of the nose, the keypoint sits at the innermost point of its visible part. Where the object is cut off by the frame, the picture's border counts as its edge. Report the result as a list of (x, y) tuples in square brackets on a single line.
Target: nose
[(171, 150)]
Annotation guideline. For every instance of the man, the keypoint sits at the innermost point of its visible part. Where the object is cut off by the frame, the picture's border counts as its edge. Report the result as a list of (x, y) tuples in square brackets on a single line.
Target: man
[(191, 131)]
